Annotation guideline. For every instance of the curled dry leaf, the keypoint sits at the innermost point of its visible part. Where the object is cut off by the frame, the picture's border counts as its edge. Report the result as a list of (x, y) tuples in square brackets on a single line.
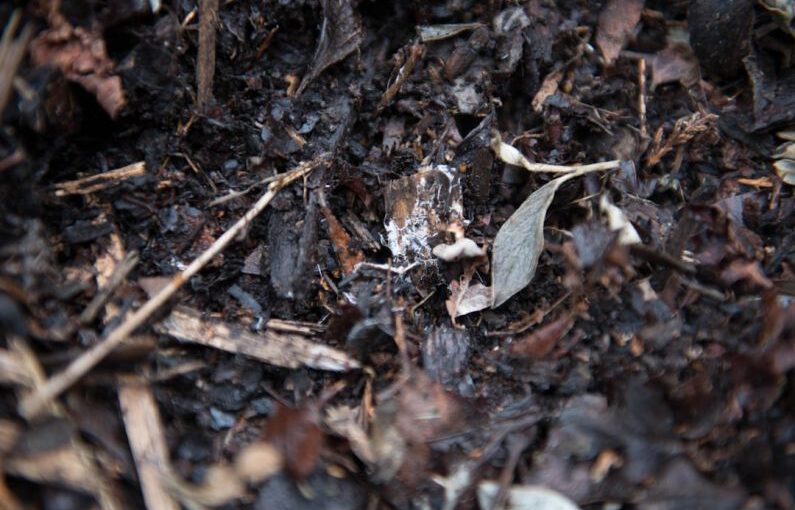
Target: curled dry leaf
[(429, 33), (617, 221), (465, 299), (464, 248), (616, 23), (340, 34), (785, 158)]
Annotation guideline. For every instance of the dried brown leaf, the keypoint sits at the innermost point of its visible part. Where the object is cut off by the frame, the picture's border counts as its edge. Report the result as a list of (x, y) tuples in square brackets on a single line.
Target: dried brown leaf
[(616, 23), (347, 255), (82, 57), (674, 63), (538, 344), (340, 34), (296, 435)]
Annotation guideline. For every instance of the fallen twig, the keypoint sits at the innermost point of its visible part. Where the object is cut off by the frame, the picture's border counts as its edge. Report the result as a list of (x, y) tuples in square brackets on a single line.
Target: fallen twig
[(101, 181), (33, 404), (205, 68)]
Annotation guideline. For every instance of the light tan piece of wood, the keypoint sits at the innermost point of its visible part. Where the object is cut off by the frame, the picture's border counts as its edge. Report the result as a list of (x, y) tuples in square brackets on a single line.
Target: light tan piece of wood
[(147, 442), (57, 384), (98, 182), (275, 348), (11, 369)]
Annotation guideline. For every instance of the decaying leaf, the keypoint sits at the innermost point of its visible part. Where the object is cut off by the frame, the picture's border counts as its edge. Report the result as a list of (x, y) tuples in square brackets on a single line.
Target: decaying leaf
[(346, 253), (519, 243), (340, 34), (616, 23), (417, 208), (524, 497), (429, 33), (785, 158), (538, 344), (548, 88), (465, 298), (82, 57), (674, 63), (296, 435)]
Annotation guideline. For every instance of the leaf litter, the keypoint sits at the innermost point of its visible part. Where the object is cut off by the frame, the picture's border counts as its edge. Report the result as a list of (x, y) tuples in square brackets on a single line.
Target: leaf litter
[(408, 321)]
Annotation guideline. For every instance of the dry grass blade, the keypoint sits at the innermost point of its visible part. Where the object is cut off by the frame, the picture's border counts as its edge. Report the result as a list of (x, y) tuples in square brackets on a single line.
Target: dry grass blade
[(12, 51), (33, 404)]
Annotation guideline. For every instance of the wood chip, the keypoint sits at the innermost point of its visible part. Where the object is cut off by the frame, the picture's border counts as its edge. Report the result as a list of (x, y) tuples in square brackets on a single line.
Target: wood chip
[(147, 442), (280, 349)]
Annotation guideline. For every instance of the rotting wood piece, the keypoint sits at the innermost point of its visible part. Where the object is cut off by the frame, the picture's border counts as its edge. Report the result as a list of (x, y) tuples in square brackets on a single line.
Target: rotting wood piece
[(100, 181), (147, 442), (280, 349)]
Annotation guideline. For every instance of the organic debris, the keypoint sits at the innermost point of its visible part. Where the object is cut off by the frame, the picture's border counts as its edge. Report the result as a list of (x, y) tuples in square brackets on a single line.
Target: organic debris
[(338, 254)]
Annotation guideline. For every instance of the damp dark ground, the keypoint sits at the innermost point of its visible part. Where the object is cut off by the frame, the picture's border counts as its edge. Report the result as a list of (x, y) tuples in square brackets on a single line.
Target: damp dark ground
[(652, 376)]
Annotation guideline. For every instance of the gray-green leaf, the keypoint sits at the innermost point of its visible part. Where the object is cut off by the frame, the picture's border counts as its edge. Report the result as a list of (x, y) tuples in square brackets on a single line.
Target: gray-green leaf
[(520, 241)]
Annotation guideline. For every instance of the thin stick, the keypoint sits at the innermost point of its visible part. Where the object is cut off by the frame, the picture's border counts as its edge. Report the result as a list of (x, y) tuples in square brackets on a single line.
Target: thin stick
[(580, 169), (642, 96), (205, 70), (98, 182), (12, 51), (57, 384)]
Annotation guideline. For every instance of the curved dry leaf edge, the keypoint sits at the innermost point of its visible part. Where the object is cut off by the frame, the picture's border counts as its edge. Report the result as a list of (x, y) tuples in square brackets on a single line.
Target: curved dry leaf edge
[(520, 240)]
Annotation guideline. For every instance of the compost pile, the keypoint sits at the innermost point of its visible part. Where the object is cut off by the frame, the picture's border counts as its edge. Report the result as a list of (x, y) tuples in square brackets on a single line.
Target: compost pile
[(357, 254)]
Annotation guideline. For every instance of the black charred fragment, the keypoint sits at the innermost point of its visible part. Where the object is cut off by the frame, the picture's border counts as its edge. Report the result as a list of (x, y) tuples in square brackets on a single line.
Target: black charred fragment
[(463, 55), (293, 250), (445, 353)]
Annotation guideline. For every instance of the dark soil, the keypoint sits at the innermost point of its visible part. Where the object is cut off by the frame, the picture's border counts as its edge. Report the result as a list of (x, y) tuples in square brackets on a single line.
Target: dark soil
[(656, 376)]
